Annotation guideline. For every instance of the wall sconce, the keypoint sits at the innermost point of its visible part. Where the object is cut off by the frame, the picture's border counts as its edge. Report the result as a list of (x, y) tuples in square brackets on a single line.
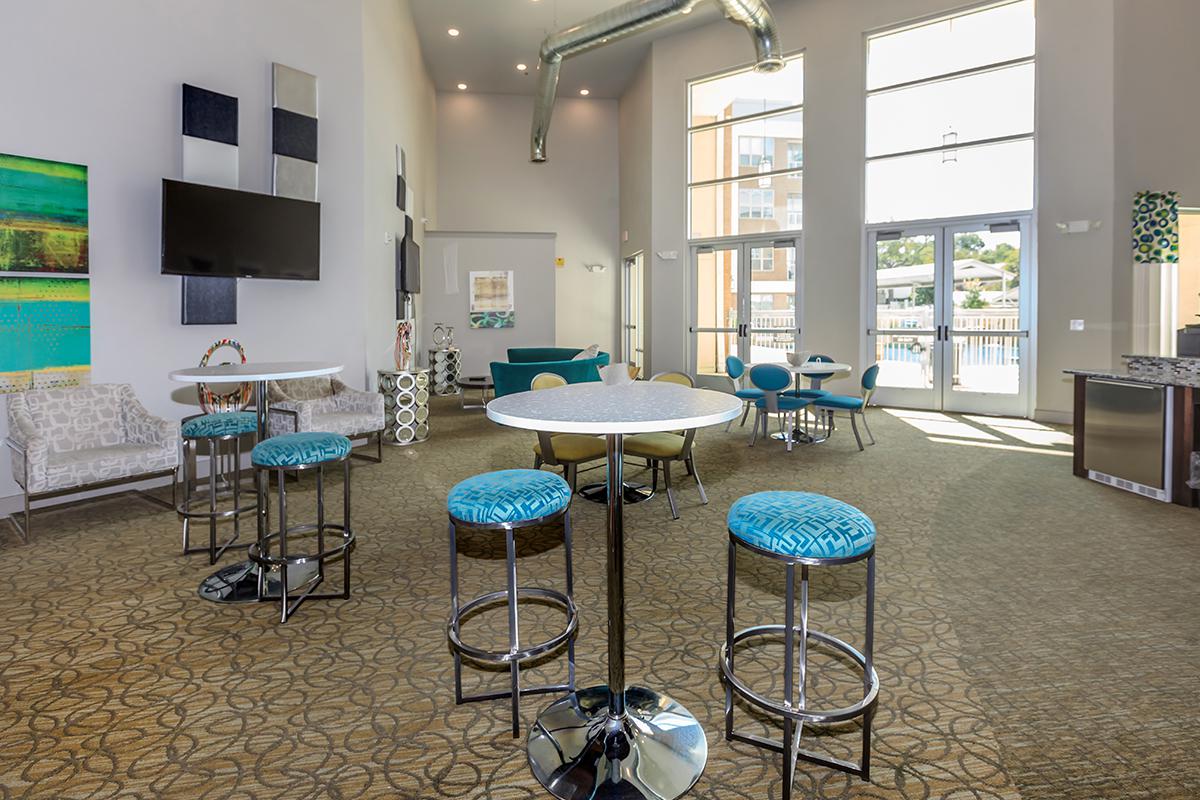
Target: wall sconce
[(595, 267)]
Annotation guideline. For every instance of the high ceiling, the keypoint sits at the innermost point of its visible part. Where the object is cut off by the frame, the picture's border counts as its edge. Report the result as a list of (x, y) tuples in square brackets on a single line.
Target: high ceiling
[(496, 35)]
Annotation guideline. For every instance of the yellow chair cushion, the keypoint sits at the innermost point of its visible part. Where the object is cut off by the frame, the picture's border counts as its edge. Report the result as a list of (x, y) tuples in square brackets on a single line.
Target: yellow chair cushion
[(652, 445), (574, 447)]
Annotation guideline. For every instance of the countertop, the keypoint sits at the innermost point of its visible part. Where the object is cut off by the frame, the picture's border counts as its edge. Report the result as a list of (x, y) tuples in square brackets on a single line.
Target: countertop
[(1154, 377)]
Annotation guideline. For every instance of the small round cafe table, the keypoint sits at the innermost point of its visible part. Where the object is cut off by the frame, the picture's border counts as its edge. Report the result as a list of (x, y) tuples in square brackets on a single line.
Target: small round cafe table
[(837, 369), (616, 741), (238, 583)]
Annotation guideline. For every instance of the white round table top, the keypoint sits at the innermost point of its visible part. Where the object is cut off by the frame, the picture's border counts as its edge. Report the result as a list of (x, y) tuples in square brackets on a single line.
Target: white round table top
[(255, 371), (809, 367), (638, 407)]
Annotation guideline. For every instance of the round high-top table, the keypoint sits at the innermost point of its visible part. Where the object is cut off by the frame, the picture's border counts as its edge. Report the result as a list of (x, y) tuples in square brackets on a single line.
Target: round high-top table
[(238, 583), (616, 741)]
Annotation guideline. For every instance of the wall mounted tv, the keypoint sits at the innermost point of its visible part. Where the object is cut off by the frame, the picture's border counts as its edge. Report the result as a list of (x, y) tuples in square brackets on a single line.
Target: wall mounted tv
[(210, 231)]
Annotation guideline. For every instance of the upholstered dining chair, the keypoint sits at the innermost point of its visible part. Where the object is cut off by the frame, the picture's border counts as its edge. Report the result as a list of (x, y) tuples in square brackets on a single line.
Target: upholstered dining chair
[(773, 380), (660, 450), (856, 407), (681, 378), (566, 450), (735, 368)]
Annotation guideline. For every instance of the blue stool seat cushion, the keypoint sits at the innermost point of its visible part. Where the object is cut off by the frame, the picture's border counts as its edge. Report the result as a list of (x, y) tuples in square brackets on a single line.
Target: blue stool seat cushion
[(801, 524), (211, 426), (300, 449), (508, 496), (840, 401), (748, 394), (786, 403)]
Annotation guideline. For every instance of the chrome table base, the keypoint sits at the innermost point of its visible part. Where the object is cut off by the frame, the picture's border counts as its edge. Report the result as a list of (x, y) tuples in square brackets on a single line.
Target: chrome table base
[(632, 492), (238, 583), (578, 751)]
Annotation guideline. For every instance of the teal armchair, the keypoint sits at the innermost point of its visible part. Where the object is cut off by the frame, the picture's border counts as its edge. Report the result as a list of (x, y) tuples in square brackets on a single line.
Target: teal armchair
[(524, 363)]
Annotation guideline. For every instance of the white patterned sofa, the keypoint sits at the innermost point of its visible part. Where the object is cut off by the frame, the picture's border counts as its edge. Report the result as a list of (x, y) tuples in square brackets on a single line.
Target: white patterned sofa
[(64, 441), (327, 405)]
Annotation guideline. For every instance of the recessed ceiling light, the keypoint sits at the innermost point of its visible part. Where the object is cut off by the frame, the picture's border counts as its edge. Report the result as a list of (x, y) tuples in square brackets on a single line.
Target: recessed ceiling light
[(585, 92), (521, 67), (453, 31), (462, 87)]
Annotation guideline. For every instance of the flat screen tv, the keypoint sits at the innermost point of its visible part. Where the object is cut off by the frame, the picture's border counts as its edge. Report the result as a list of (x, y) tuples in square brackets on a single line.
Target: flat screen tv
[(409, 256), (210, 231)]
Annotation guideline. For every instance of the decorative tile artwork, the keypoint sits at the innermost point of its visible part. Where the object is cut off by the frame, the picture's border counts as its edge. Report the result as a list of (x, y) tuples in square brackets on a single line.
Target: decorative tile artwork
[(45, 316), (492, 299), (1156, 228), (294, 133), (43, 216), (45, 333)]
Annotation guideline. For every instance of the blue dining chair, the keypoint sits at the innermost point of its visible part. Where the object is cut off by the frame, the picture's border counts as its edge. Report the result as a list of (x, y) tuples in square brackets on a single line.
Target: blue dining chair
[(773, 379), (856, 406), (735, 368), (814, 393)]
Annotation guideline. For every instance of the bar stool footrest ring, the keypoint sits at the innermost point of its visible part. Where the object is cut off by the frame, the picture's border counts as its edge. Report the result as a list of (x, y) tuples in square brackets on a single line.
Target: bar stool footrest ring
[(555, 598)]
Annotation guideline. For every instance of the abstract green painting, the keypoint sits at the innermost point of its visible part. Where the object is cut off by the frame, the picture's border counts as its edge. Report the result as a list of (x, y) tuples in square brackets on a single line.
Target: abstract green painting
[(43, 216), (45, 333)]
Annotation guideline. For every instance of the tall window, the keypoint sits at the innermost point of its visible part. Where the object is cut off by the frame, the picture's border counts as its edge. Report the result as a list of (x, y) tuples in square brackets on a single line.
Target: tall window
[(950, 116), (762, 259), (795, 210), (746, 143)]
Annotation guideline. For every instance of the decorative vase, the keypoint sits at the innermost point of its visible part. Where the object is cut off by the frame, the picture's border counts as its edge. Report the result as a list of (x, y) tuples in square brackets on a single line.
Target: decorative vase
[(404, 345)]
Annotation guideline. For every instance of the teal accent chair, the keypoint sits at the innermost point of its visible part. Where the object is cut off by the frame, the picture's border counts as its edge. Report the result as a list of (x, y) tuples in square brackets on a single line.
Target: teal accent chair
[(773, 380), (524, 363), (855, 406), (735, 368)]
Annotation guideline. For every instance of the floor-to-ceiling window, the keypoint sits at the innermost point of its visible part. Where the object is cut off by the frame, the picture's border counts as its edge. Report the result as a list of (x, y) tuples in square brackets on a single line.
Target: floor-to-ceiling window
[(633, 306), (745, 210), (949, 202)]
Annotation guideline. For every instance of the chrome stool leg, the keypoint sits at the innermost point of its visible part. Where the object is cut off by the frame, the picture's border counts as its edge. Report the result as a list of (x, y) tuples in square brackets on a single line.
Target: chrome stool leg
[(221, 470), (511, 595)]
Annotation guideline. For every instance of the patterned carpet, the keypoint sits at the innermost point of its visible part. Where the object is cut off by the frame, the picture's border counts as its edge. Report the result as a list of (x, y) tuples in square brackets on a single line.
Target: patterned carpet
[(1036, 633)]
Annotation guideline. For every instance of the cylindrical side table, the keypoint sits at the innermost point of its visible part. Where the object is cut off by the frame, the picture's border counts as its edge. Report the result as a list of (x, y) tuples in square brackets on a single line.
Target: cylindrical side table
[(405, 405), (445, 366)]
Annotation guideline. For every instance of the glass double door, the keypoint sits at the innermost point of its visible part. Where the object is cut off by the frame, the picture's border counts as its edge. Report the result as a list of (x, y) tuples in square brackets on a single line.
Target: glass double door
[(745, 303), (950, 321)]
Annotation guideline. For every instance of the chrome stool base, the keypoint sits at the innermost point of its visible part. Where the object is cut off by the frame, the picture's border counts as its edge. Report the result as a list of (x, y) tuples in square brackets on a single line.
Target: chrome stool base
[(238, 583), (224, 484), (511, 596), (578, 752)]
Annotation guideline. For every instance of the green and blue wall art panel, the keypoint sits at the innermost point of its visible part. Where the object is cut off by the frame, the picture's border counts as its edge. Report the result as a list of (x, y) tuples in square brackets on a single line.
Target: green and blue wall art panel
[(1156, 228), (45, 294)]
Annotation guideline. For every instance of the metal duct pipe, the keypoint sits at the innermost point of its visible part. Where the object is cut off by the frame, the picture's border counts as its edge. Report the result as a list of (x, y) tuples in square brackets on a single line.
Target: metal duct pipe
[(629, 18)]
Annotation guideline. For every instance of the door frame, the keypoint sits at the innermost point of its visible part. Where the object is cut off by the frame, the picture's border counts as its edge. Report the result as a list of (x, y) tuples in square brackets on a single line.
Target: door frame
[(944, 229), (624, 345), (743, 245)]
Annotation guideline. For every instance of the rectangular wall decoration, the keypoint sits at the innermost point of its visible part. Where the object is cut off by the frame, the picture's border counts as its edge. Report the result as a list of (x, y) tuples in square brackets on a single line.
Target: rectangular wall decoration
[(45, 333), (43, 216), (210, 156), (45, 294), (294, 133), (492, 303)]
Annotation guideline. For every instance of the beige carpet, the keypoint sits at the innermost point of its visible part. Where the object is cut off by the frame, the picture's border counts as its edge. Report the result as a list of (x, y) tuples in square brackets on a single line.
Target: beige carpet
[(1036, 637)]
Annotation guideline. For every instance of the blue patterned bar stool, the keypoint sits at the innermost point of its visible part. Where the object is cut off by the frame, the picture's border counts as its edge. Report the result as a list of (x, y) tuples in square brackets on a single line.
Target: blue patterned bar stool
[(222, 434), (509, 500), (805, 530), (292, 453)]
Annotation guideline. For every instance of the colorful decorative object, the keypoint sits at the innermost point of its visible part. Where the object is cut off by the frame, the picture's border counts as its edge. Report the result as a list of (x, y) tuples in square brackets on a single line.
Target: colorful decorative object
[(404, 345), (43, 216), (45, 333), (212, 402), (492, 303), (1156, 228)]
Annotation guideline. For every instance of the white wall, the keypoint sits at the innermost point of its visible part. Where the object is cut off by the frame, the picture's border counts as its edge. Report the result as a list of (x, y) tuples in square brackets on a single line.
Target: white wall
[(110, 98), (637, 210), (530, 257), (1075, 155), (487, 183)]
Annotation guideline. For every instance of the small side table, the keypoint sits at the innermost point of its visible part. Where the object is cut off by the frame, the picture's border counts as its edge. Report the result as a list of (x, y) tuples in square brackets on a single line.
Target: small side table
[(481, 382), (405, 405), (445, 366)]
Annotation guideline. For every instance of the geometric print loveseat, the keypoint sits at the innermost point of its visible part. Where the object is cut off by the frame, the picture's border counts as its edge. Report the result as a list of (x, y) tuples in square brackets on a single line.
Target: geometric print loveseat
[(326, 405), (64, 441)]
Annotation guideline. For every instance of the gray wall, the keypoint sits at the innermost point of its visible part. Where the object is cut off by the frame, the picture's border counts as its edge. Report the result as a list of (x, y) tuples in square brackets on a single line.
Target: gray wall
[(110, 98), (531, 258), (487, 183)]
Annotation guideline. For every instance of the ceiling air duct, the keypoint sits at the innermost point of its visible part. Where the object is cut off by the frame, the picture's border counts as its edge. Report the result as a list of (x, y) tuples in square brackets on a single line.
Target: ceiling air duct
[(629, 18)]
